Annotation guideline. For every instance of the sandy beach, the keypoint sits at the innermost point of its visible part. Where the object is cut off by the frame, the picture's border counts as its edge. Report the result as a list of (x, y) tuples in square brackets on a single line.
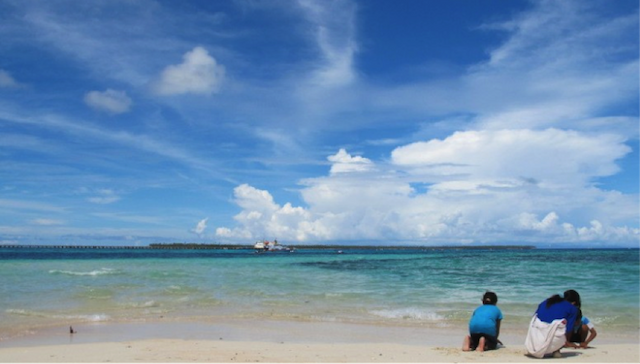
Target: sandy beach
[(284, 342), (161, 351)]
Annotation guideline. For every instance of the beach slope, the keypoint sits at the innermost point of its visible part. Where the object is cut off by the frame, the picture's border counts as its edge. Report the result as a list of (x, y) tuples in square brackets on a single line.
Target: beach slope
[(174, 350)]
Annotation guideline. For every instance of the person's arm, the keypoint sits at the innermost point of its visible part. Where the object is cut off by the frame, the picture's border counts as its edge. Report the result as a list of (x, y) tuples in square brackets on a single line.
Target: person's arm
[(568, 343), (498, 331), (592, 335)]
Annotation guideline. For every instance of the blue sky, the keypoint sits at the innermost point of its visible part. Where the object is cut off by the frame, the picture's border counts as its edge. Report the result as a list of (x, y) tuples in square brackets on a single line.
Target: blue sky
[(377, 122)]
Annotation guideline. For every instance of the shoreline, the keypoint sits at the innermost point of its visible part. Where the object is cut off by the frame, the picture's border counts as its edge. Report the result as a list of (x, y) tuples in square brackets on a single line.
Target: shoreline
[(238, 340), (235, 329), (278, 329)]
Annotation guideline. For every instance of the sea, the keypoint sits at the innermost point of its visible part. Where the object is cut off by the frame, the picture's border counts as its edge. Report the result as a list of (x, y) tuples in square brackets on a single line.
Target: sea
[(431, 287)]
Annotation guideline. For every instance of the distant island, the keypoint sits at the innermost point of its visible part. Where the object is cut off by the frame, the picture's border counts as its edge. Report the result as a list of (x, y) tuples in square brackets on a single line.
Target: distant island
[(338, 247)]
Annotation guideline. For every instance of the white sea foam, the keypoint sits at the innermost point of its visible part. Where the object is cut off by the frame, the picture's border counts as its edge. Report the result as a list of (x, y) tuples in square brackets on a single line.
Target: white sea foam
[(90, 317), (411, 313), (332, 295), (99, 272), (146, 304)]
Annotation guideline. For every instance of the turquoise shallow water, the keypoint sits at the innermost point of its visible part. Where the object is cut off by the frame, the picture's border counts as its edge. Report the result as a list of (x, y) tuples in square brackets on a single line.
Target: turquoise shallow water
[(439, 288)]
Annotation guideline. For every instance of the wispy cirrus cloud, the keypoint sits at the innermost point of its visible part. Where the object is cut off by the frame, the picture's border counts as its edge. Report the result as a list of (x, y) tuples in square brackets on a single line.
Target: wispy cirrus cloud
[(29, 205), (7, 81), (333, 25), (47, 222), (86, 130), (104, 197), (554, 69), (200, 228), (113, 101)]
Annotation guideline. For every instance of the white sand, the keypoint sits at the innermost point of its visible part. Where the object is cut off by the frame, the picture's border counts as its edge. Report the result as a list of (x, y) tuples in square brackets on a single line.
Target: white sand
[(167, 350), (284, 342)]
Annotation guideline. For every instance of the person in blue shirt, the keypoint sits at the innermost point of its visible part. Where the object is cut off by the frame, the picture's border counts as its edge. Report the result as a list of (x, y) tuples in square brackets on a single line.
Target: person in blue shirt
[(484, 326)]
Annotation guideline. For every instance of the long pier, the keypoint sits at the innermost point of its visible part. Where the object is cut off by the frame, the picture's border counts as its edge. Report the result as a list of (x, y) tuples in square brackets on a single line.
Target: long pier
[(72, 247), (128, 247)]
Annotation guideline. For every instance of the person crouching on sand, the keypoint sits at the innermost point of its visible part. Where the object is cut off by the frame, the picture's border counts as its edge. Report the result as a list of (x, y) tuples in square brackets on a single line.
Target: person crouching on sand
[(484, 326), (552, 325)]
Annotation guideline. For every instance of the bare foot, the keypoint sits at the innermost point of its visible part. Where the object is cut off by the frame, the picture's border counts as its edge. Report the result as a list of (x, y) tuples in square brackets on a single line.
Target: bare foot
[(481, 344), (466, 343)]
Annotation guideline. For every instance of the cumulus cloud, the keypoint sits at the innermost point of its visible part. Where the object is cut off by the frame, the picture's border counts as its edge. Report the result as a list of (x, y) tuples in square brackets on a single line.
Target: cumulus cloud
[(261, 216), (200, 227), (488, 186), (530, 222), (199, 73), (116, 102), (344, 162), (497, 157)]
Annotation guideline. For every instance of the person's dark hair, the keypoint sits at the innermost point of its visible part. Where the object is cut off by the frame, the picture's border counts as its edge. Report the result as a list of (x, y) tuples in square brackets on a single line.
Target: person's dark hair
[(573, 296), (553, 300), (489, 298)]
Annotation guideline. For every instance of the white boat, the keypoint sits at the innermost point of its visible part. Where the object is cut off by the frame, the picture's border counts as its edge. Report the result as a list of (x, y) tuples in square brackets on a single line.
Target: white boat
[(265, 245)]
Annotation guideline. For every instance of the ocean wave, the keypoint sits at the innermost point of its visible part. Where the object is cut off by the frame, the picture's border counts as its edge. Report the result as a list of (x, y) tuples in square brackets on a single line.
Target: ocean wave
[(146, 304), (90, 317), (409, 314), (333, 294), (92, 293), (99, 272)]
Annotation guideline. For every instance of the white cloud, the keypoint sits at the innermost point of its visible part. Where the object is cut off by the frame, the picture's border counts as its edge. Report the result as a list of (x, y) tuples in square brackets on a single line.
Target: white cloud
[(551, 157), (23, 205), (200, 227), (91, 132), (344, 162), (334, 30), (470, 187), (262, 217), (529, 222), (104, 197), (597, 231), (47, 222), (198, 74), (561, 62), (116, 102), (6, 80), (560, 66)]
